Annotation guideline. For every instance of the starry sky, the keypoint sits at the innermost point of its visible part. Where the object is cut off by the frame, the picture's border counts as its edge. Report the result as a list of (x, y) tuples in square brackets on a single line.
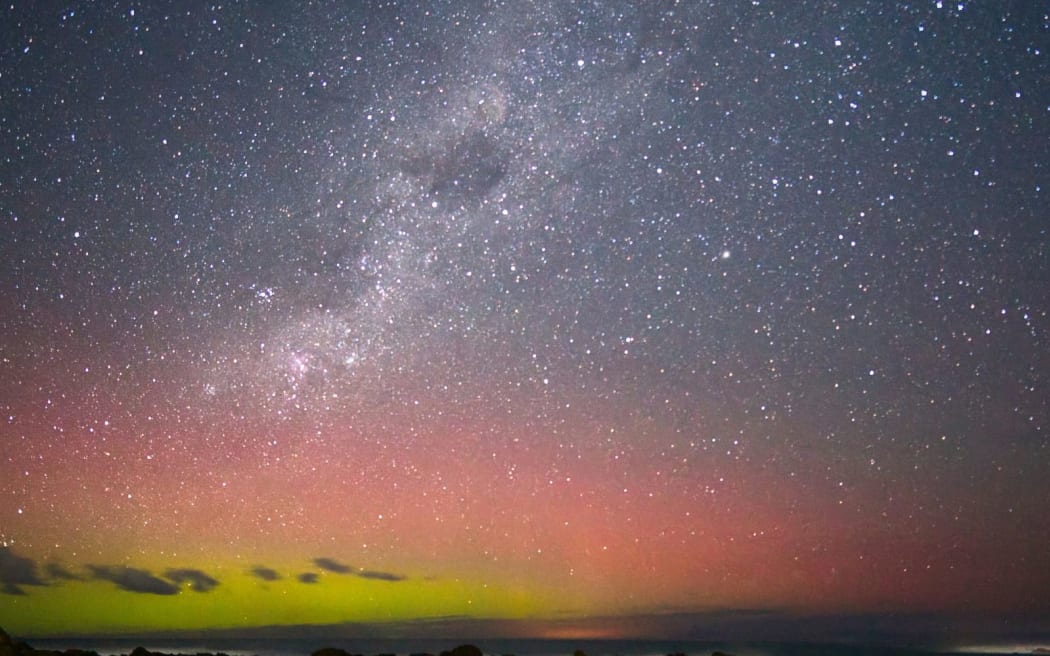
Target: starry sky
[(536, 312)]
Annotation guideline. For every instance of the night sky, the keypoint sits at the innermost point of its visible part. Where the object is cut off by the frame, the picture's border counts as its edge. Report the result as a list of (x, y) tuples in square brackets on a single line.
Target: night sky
[(539, 312)]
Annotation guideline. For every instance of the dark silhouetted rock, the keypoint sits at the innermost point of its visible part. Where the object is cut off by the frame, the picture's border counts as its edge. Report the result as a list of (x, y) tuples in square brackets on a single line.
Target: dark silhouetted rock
[(7, 648), (720, 653), (23, 648), (331, 651), (463, 650), (11, 647), (579, 652)]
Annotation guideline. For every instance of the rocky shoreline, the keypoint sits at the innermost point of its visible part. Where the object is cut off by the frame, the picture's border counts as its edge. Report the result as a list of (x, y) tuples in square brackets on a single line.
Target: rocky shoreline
[(11, 647)]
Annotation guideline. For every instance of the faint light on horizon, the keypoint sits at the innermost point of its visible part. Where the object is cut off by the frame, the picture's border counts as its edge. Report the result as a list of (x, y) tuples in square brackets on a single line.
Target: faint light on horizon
[(1005, 648)]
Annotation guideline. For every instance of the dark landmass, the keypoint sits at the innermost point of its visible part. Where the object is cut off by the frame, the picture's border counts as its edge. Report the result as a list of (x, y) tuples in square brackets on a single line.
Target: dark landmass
[(11, 647), (16, 647)]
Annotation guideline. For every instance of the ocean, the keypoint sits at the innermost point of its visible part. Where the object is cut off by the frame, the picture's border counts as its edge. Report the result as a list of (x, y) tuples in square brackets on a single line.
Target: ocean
[(495, 647)]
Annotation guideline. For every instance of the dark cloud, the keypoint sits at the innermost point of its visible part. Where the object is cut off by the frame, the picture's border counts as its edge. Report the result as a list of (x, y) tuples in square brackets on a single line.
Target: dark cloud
[(307, 577), (265, 573), (16, 571), (57, 572), (331, 565), (380, 576), (197, 579), (133, 580)]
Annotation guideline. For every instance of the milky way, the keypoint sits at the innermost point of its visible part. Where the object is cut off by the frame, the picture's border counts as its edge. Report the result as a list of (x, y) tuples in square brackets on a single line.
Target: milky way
[(522, 311)]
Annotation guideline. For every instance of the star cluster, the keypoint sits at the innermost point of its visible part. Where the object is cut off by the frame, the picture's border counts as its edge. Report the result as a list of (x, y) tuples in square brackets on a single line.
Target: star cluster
[(570, 309)]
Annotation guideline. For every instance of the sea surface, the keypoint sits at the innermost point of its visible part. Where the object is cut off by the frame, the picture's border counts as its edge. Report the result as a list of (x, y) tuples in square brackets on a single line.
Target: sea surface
[(496, 647)]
